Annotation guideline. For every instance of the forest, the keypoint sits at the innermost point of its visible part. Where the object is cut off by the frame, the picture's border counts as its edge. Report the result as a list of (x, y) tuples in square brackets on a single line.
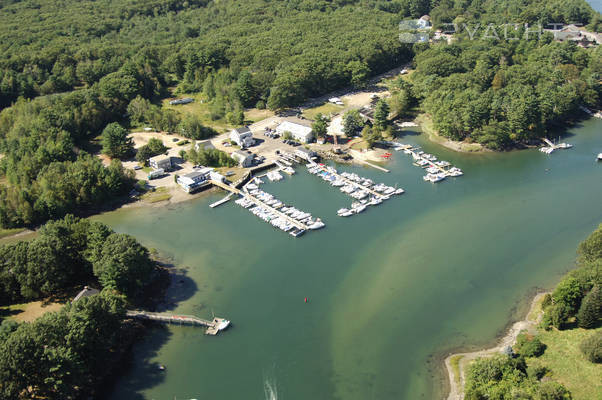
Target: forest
[(70, 253), (506, 93), (66, 354)]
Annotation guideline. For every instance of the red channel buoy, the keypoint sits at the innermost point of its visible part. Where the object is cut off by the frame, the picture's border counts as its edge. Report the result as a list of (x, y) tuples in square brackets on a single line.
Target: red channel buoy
[(306, 299)]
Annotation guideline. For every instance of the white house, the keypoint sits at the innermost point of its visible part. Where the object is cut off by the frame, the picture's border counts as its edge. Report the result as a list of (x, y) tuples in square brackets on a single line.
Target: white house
[(216, 176), (305, 154), (242, 137), (244, 158), (192, 181), (160, 162), (301, 133)]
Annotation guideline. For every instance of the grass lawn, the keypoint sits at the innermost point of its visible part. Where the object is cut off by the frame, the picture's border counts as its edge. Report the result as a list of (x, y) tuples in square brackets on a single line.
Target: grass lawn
[(10, 232), (567, 363), (200, 108), (359, 144), (326, 109), (253, 115), (455, 364), (159, 194), (27, 312)]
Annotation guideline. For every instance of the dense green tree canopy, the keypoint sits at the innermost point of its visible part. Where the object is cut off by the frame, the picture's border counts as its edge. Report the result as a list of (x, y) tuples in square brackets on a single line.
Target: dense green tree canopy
[(116, 142), (70, 253), (61, 355)]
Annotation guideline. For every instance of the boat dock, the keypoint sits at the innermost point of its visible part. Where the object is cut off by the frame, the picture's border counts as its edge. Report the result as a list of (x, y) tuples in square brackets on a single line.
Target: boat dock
[(225, 186), (260, 203), (437, 170), (222, 201), (350, 182), (212, 326), (551, 147), (298, 224)]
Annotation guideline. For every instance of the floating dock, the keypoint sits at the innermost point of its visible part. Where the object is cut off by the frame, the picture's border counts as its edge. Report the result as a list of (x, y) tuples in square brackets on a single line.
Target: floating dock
[(430, 161), (551, 146), (222, 201), (212, 326)]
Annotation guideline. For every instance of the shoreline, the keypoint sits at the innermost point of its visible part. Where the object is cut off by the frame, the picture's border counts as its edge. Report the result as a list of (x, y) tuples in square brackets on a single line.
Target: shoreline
[(425, 124), (455, 364)]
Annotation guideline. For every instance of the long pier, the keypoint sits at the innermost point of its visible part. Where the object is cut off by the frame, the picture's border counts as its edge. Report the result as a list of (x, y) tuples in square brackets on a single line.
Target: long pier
[(212, 326), (275, 211), (225, 186), (261, 204), (374, 165)]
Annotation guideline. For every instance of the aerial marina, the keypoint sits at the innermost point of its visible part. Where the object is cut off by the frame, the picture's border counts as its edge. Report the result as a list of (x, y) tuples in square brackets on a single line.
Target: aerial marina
[(363, 190), (273, 211)]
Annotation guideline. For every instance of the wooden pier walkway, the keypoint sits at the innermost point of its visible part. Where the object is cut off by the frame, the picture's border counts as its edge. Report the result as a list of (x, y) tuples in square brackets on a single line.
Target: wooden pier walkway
[(212, 326), (225, 186), (261, 204), (374, 166), (290, 219)]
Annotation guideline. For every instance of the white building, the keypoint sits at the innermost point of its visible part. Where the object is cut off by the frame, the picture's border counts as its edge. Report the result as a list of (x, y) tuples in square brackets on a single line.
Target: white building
[(242, 137), (244, 158), (299, 132), (160, 162), (305, 154), (194, 180)]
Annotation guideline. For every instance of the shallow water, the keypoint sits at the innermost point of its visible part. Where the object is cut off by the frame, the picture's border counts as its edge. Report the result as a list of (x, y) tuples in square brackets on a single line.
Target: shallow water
[(441, 267)]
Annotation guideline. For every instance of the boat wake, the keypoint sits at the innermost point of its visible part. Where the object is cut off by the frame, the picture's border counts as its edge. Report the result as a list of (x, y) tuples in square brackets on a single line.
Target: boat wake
[(270, 389)]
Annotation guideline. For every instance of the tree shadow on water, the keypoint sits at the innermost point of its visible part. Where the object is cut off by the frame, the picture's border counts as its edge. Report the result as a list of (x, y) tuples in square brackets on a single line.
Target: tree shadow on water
[(137, 372), (181, 288)]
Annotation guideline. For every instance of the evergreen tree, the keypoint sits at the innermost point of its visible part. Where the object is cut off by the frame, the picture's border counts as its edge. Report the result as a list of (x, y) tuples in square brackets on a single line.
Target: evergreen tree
[(115, 141), (381, 114), (320, 125), (590, 311)]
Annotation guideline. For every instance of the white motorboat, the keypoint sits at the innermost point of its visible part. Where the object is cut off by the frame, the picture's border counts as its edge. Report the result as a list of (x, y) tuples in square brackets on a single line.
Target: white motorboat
[(317, 224), (399, 191), (224, 323), (344, 212), (599, 157), (359, 208)]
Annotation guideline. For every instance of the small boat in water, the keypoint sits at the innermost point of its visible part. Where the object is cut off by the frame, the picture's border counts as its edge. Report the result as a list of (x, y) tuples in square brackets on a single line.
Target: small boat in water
[(317, 224), (344, 212), (223, 325), (599, 157)]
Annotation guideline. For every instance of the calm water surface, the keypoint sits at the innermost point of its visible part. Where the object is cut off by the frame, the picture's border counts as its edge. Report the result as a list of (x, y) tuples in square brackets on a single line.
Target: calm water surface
[(438, 268)]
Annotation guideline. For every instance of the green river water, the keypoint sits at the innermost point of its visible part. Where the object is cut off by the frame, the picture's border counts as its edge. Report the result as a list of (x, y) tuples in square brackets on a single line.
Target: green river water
[(390, 291)]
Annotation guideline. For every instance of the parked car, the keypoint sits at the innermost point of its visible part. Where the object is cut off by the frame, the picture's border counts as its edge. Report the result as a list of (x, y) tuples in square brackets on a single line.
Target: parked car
[(137, 167)]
